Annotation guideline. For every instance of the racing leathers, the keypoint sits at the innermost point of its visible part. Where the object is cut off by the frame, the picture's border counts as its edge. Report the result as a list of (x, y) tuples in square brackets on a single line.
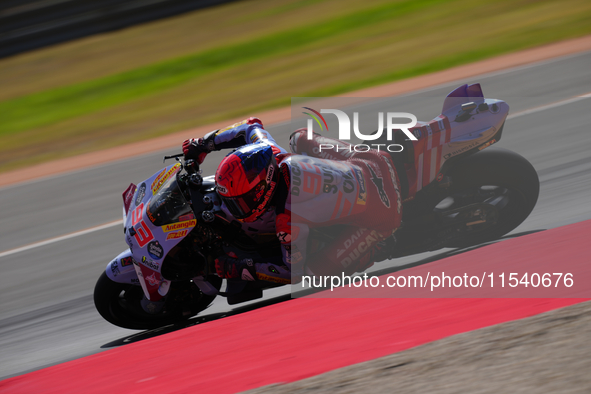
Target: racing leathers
[(331, 215)]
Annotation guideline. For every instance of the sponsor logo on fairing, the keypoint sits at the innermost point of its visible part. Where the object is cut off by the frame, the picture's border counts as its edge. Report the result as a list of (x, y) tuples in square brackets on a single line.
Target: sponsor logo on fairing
[(141, 192), (461, 150), (150, 264), (150, 216), (126, 261), (179, 226), (163, 177), (188, 216), (128, 196), (489, 143), (151, 279), (115, 268), (177, 235), (129, 242), (155, 250)]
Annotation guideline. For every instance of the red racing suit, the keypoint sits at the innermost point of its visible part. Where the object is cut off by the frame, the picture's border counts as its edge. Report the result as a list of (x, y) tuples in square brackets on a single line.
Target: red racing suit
[(356, 191), (355, 195)]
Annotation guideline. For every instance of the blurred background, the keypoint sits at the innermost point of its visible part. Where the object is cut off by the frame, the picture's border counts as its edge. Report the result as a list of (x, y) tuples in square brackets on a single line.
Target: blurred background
[(78, 76)]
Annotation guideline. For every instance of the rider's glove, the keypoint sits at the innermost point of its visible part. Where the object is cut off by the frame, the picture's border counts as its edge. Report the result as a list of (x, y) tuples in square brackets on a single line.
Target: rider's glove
[(253, 120), (196, 149), (233, 268)]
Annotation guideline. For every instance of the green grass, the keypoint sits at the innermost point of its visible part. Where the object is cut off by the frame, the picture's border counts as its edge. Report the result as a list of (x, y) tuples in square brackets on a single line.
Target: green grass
[(249, 56), (53, 105)]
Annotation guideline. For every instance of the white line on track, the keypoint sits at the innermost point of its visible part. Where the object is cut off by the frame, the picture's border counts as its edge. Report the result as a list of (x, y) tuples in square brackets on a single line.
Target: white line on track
[(61, 238), (549, 106), (119, 222)]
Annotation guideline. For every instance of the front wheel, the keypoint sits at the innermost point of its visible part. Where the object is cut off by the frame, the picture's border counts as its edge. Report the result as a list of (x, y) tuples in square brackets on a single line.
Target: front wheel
[(497, 177), (120, 303)]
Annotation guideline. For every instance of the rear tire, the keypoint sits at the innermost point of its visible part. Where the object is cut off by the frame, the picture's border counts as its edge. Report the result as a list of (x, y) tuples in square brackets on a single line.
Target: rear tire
[(516, 180), (119, 304)]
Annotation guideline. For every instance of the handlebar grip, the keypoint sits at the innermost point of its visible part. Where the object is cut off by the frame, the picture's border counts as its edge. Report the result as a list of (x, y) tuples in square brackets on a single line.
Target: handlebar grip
[(172, 156)]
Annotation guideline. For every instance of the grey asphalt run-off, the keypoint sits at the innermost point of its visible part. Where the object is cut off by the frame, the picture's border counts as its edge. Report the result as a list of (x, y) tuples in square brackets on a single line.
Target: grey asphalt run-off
[(46, 311)]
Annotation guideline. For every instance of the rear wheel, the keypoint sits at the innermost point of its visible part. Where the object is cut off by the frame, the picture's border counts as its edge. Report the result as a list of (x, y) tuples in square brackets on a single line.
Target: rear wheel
[(498, 178), (119, 303)]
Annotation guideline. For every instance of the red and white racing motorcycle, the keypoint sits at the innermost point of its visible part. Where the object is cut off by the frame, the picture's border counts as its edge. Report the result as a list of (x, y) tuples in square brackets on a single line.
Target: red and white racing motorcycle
[(455, 193)]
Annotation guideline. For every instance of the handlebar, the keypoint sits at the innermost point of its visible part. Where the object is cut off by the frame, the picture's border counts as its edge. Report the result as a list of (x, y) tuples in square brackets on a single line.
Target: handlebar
[(191, 166), (172, 157)]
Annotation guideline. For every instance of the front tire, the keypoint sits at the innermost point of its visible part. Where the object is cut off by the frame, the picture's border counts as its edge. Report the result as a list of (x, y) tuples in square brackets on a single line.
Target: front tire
[(119, 304)]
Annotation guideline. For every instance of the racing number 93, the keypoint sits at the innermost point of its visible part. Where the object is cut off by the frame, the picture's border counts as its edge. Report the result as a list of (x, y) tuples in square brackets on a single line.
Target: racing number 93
[(143, 235)]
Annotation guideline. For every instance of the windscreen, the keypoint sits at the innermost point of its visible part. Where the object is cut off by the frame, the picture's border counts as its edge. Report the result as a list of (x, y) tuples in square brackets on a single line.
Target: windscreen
[(168, 204)]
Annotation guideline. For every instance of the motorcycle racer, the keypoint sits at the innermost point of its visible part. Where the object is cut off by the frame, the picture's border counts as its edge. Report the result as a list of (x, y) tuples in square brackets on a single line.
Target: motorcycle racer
[(355, 193)]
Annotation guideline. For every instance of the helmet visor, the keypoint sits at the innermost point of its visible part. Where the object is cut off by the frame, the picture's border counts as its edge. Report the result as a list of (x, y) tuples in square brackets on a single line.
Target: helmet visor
[(242, 206)]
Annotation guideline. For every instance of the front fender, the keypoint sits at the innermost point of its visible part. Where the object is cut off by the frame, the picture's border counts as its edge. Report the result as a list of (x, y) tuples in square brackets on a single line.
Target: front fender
[(121, 270)]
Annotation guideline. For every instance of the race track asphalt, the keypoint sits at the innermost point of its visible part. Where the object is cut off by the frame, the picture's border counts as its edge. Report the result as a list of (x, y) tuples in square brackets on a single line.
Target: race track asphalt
[(46, 310)]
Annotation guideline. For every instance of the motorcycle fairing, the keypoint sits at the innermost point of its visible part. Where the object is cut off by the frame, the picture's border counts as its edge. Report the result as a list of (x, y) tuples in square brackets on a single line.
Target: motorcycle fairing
[(431, 137), (127, 198), (156, 222), (449, 135), (121, 270), (461, 95)]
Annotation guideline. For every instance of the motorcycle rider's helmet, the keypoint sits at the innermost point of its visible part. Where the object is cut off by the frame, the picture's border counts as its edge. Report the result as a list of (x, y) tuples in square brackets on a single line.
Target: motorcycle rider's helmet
[(246, 180)]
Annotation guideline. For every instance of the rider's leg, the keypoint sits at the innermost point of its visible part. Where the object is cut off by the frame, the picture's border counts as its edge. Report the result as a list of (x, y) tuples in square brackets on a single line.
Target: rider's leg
[(354, 250)]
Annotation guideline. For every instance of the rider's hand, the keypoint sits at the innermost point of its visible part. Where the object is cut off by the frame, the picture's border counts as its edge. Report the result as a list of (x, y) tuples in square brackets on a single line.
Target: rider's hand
[(233, 268), (253, 120), (195, 149)]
